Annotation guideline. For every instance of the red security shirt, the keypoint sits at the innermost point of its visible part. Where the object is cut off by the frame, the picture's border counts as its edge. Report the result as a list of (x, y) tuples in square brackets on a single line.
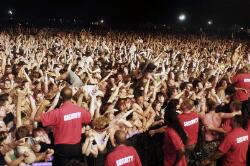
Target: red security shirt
[(123, 155), (67, 122), (172, 144), (242, 81), (190, 123), (235, 146)]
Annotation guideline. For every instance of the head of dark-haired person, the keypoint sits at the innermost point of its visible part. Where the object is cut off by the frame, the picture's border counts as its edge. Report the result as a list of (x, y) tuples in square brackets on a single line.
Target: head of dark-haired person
[(172, 105), (171, 119), (238, 121), (22, 132), (230, 90)]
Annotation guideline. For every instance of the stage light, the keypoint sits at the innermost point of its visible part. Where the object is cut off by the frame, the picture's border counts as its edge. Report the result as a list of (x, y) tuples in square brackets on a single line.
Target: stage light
[(10, 12), (102, 21), (182, 17), (209, 22), (242, 28)]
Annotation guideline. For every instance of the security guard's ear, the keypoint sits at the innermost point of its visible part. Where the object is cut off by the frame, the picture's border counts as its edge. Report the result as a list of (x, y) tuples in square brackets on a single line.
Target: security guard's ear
[(116, 143)]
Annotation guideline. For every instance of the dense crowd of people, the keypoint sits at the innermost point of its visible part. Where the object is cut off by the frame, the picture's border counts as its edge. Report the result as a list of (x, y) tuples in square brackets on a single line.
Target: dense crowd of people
[(72, 97)]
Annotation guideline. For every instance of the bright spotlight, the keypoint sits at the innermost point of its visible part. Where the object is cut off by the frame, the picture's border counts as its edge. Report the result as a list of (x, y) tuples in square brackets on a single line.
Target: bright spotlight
[(10, 12), (209, 22), (182, 17), (102, 21)]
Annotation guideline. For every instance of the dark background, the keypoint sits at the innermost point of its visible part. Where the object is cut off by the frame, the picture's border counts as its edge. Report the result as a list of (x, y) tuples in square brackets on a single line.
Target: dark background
[(223, 13)]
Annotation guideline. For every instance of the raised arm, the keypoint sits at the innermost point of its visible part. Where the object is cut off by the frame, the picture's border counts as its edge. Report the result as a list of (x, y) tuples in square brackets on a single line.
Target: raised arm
[(151, 118), (20, 98), (4, 59), (105, 78), (115, 93), (92, 106), (154, 94), (26, 76), (125, 123), (91, 80), (98, 107), (79, 100), (55, 102), (46, 83), (40, 110), (33, 106), (146, 87), (178, 95), (229, 115)]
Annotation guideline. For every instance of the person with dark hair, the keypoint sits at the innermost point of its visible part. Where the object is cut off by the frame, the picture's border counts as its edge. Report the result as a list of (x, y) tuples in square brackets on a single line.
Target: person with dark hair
[(122, 154), (67, 121), (170, 106), (40, 135), (234, 146), (230, 90), (22, 132), (174, 141)]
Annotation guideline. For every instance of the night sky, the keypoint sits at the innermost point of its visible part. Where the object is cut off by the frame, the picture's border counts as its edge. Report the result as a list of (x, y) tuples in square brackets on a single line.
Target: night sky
[(222, 12)]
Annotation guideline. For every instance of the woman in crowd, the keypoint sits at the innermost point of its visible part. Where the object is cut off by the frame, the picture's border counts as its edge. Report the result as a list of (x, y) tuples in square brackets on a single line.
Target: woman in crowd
[(174, 141)]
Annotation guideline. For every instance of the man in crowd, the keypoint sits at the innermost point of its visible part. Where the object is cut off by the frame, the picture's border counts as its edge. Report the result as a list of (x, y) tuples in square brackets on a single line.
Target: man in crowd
[(190, 123), (122, 154), (241, 82), (67, 121), (234, 146)]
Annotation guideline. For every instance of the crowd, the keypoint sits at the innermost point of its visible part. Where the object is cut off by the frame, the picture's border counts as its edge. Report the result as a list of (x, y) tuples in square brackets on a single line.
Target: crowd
[(73, 97)]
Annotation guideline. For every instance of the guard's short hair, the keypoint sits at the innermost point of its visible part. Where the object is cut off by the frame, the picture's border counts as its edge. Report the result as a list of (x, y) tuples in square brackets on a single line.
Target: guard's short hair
[(239, 120), (120, 137), (66, 93), (189, 104)]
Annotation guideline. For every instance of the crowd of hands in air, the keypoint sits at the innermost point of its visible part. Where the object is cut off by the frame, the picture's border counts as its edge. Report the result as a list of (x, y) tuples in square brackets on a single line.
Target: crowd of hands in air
[(124, 79)]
